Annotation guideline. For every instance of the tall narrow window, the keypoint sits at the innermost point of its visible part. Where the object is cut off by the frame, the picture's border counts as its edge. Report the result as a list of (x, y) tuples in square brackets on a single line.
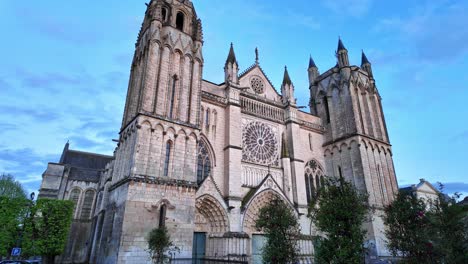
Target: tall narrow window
[(180, 21), (75, 197), (207, 118), (171, 109), (87, 204), (168, 158), (204, 163), (340, 173), (164, 14), (310, 142), (162, 216), (313, 172), (327, 109)]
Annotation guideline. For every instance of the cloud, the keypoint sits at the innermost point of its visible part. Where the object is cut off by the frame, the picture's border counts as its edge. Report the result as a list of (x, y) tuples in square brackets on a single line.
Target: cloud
[(432, 31), (26, 165), (58, 29), (452, 187), (40, 115), (354, 8)]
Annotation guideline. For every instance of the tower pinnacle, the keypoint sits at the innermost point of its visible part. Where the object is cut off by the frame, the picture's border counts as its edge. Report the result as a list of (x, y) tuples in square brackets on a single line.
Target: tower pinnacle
[(286, 78)]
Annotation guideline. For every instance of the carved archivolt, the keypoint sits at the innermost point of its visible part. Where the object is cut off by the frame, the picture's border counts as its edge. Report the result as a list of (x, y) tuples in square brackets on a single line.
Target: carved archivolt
[(251, 214), (210, 216)]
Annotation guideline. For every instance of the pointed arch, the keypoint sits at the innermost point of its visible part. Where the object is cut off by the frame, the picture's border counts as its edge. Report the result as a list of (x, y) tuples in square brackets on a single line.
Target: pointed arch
[(210, 215), (313, 174), (205, 160), (259, 201)]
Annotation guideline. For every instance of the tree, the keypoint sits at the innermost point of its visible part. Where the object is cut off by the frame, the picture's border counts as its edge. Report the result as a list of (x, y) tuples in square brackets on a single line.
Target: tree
[(13, 205), (160, 244), (282, 231), (11, 188), (449, 228), (339, 211), (46, 230), (408, 229)]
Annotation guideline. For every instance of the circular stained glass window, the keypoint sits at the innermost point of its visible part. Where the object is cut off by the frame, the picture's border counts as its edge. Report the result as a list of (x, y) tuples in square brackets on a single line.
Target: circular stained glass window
[(260, 144), (257, 84)]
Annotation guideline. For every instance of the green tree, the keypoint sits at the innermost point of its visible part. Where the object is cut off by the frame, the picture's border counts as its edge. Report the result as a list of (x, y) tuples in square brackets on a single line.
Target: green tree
[(449, 229), (13, 207), (281, 228), (11, 188), (160, 245), (339, 211), (408, 229), (47, 228)]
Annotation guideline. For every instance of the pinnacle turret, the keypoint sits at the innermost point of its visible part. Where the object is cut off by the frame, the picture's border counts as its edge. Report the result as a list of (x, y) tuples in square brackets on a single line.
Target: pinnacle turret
[(286, 78), (312, 63), (231, 56), (364, 59), (342, 54), (340, 45)]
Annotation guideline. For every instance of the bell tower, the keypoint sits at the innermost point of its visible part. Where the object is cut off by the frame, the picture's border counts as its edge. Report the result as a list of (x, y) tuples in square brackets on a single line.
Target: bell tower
[(154, 172), (166, 72)]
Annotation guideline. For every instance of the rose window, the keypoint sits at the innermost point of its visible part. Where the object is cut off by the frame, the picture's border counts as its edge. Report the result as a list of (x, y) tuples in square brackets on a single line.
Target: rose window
[(260, 144), (257, 84)]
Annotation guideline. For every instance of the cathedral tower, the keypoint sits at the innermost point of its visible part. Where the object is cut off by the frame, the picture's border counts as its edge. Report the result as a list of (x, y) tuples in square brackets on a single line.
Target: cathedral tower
[(356, 144), (154, 176)]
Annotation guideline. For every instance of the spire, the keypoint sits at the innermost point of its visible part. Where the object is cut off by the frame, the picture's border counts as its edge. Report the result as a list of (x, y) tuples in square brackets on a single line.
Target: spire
[(232, 56), (312, 63), (340, 45), (364, 59), (286, 78), (256, 55)]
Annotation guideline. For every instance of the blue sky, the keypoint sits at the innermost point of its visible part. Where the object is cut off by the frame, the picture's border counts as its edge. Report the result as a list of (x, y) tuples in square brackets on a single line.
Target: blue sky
[(65, 66)]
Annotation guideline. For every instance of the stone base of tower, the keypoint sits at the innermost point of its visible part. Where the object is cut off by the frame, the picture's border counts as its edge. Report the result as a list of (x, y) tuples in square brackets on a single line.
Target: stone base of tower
[(376, 241), (140, 213)]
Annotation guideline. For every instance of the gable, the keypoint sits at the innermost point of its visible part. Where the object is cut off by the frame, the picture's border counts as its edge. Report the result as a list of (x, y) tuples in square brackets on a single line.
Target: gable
[(258, 83)]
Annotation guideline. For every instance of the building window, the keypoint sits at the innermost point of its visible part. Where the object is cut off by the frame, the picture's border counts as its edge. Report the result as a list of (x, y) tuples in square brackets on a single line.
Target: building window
[(75, 197), (310, 142), (327, 109), (87, 204), (168, 158), (171, 106), (340, 173), (203, 162), (162, 216), (207, 118), (180, 21), (313, 178), (164, 14)]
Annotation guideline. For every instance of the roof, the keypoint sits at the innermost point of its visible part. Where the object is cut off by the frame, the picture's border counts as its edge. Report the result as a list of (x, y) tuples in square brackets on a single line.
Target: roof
[(85, 159), (231, 56), (364, 59), (286, 78), (312, 63), (340, 45)]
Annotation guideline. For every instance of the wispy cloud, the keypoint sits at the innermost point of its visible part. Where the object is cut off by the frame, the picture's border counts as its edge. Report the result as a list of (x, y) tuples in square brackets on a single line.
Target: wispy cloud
[(354, 8)]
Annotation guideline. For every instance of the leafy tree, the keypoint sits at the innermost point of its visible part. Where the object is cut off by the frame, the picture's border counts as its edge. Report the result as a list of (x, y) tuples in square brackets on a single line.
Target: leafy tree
[(281, 229), (449, 229), (12, 210), (339, 211), (408, 229), (11, 188), (46, 230), (160, 245)]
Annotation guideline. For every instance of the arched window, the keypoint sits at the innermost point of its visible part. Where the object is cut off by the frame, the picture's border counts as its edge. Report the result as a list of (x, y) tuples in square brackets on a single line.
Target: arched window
[(203, 162), (313, 175), (167, 158), (201, 116), (75, 197), (207, 118), (180, 21), (340, 172), (164, 14), (162, 216), (327, 109), (310, 142), (87, 204), (171, 106)]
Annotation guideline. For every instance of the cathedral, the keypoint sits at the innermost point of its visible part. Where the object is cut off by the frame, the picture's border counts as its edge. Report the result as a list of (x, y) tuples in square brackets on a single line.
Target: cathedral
[(202, 158)]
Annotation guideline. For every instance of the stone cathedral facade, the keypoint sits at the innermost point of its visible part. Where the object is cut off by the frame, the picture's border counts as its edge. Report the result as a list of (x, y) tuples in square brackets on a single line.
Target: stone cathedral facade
[(202, 158)]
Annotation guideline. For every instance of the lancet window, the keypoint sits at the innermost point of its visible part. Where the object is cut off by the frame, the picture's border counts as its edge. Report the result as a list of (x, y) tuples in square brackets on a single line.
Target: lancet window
[(313, 179), (204, 162)]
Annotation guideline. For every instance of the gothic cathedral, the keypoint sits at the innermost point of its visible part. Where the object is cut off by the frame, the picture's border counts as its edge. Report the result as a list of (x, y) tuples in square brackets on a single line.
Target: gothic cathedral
[(202, 158)]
